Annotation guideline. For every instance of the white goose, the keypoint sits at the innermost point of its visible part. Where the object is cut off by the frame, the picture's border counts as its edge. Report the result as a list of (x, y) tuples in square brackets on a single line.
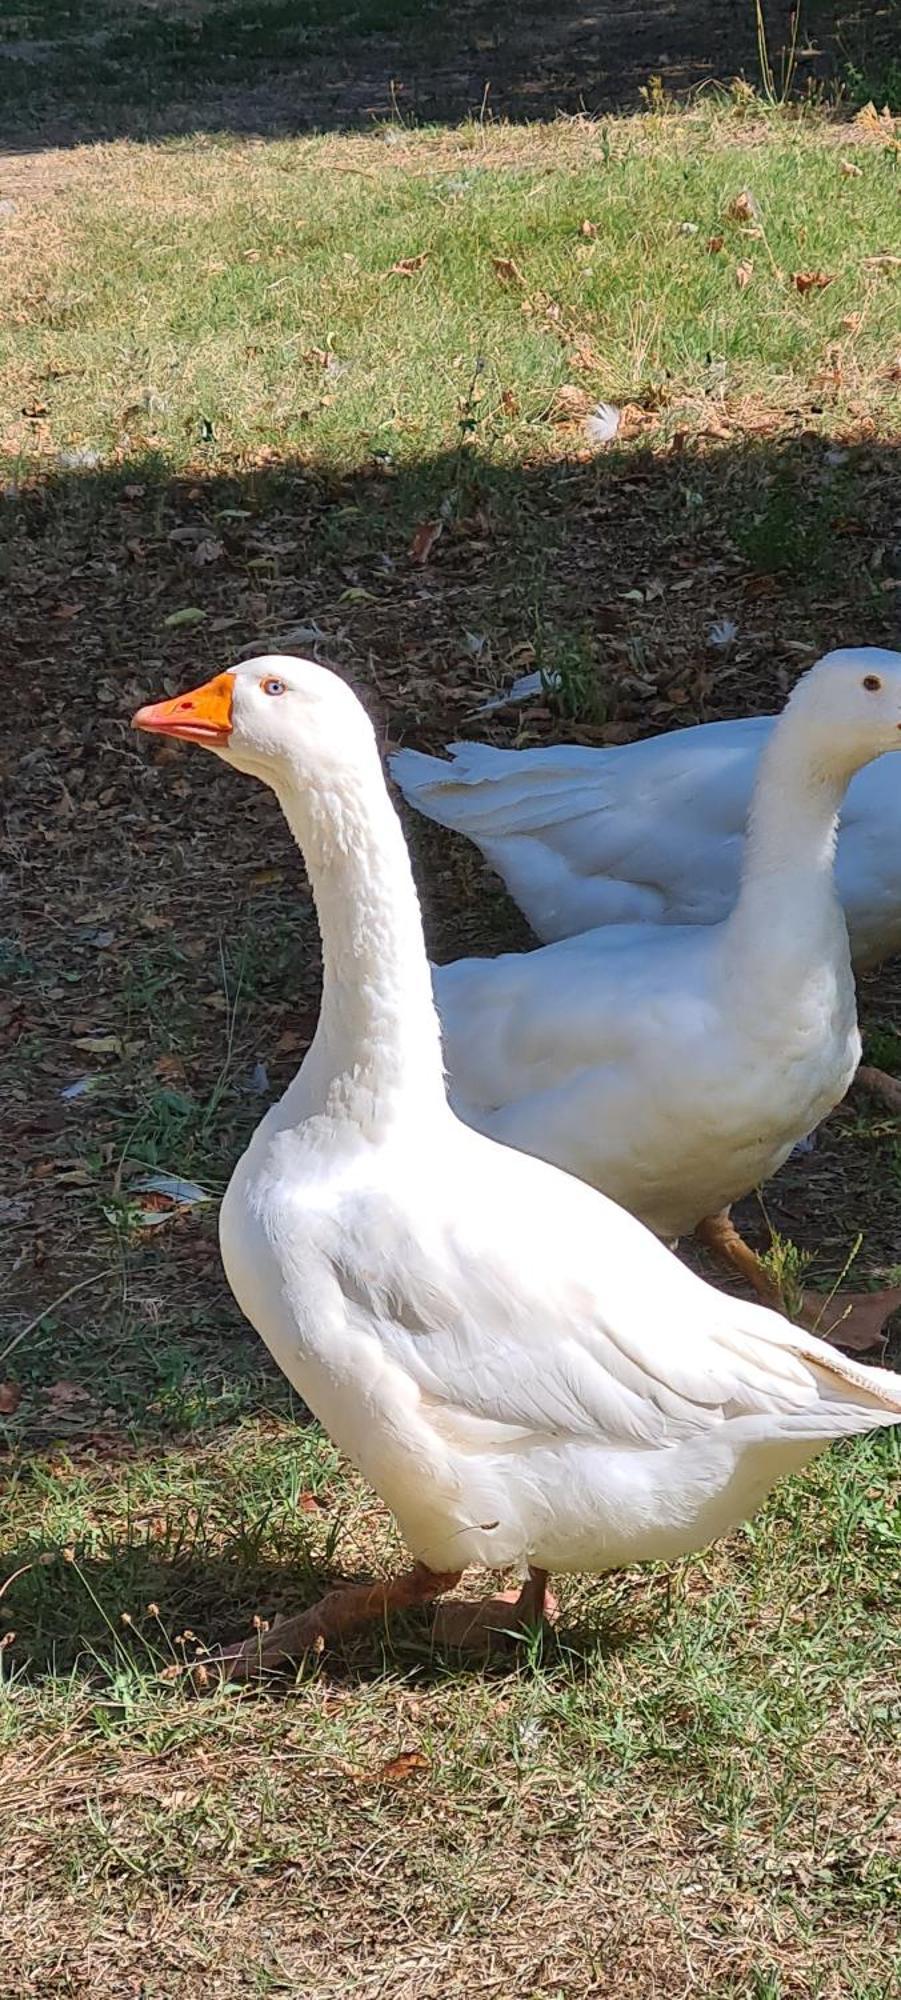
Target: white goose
[(676, 1067), (651, 832), (524, 1374)]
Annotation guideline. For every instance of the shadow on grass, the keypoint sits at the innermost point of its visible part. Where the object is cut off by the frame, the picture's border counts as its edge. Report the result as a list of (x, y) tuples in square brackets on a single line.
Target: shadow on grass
[(96, 71), (141, 1612)]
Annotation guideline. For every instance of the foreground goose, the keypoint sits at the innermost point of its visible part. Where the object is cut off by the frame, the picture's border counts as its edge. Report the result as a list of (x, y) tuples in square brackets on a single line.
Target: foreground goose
[(525, 1375), (652, 832), (677, 1067)]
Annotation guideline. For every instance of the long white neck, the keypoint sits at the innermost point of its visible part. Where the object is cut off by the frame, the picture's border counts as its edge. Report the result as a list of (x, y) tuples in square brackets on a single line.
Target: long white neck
[(377, 1046), (788, 918)]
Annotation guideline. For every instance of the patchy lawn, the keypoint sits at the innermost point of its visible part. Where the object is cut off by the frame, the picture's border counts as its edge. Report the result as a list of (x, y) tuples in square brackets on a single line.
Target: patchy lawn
[(241, 387)]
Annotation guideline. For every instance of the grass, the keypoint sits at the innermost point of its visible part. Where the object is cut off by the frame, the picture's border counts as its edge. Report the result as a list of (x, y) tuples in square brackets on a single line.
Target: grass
[(235, 297), (248, 418)]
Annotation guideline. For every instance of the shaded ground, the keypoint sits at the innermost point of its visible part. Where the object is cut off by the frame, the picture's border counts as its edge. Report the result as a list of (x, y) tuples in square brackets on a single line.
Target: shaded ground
[(164, 948), (281, 66)]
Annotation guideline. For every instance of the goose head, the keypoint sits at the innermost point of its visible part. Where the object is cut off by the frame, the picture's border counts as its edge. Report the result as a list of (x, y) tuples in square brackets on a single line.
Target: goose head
[(284, 720), (850, 706)]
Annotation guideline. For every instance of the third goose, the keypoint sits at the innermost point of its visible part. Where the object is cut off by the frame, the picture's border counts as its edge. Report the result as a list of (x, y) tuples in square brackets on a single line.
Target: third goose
[(676, 1067)]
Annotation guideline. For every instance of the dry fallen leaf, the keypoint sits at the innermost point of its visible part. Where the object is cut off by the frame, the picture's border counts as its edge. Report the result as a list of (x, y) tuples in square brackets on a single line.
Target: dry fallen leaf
[(570, 402), (406, 267), (98, 1045), (508, 271), (169, 1068), (742, 207), (878, 122), (885, 261), (424, 540), (715, 243), (852, 322), (62, 1395), (10, 1398), (208, 551), (744, 272), (587, 228), (582, 354), (509, 402), (812, 281), (400, 1768), (850, 170)]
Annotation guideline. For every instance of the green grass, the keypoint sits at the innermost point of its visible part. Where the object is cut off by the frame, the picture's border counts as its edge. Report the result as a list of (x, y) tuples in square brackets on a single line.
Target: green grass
[(688, 1789), (221, 301), (680, 1764)]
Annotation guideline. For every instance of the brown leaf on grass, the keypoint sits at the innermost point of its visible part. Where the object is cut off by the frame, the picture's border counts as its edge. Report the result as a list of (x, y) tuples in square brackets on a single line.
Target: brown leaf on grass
[(885, 261), (742, 207), (508, 271), (812, 281), (587, 228), (849, 170), (208, 551), (871, 120), (852, 322), (570, 403), (62, 1395), (582, 354), (407, 267), (170, 1069), (10, 1398), (424, 540), (715, 243), (744, 272), (510, 403), (399, 1769)]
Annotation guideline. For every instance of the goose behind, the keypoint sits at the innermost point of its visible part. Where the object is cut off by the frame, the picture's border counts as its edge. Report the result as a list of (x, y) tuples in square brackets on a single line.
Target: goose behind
[(523, 1373), (676, 1067), (650, 832)]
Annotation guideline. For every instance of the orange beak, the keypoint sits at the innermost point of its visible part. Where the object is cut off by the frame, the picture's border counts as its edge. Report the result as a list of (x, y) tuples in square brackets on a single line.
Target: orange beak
[(202, 716)]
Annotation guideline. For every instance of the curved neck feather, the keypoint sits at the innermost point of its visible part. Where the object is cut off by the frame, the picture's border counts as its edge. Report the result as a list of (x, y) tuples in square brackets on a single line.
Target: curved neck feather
[(787, 907), (377, 1040)]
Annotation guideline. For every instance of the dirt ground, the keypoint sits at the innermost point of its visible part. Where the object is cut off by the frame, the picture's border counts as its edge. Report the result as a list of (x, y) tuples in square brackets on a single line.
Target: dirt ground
[(159, 929), (518, 61)]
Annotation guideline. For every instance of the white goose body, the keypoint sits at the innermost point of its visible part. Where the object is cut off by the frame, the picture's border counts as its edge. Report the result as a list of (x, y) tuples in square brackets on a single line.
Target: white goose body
[(649, 832), (675, 1068), (644, 1065), (523, 1373)]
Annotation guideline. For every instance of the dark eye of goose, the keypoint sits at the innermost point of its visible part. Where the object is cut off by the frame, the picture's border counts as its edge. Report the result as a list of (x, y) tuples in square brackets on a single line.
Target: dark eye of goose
[(872, 683)]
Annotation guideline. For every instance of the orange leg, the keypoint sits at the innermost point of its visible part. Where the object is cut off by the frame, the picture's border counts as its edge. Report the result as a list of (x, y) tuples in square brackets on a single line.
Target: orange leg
[(853, 1321), (338, 1612), (533, 1602), (720, 1236), (487, 1625)]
